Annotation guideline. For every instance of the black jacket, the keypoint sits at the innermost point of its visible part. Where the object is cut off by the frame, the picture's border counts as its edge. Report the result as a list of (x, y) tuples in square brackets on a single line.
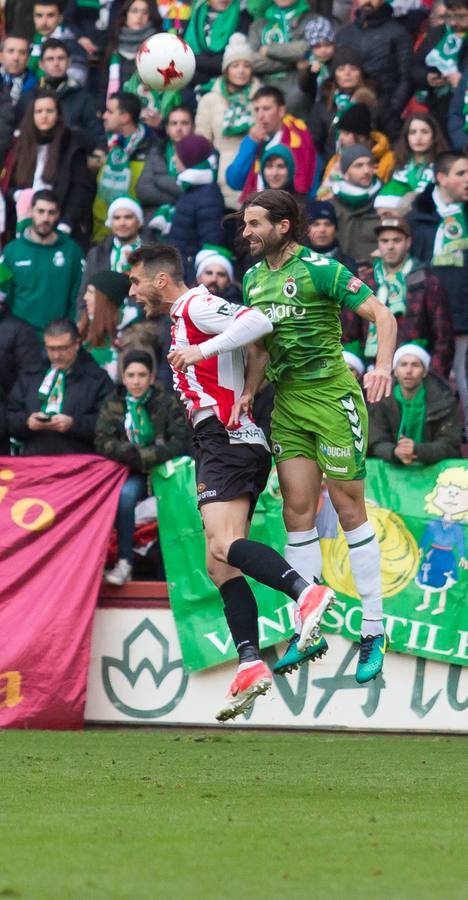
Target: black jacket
[(197, 221), (424, 222), (438, 105), (80, 110), (20, 350), (385, 47), (442, 429), (7, 119), (75, 187), (86, 387)]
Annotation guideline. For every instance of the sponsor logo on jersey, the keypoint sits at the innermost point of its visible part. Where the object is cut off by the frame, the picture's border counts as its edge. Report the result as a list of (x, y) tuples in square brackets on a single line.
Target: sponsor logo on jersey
[(281, 311), (338, 452), (290, 287), (354, 285), (342, 470)]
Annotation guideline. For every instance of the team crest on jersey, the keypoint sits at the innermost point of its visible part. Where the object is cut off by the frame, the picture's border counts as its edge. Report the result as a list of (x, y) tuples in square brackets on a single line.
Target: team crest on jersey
[(290, 287)]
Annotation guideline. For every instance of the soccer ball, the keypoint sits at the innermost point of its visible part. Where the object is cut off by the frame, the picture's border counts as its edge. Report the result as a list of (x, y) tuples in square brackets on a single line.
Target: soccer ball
[(165, 62)]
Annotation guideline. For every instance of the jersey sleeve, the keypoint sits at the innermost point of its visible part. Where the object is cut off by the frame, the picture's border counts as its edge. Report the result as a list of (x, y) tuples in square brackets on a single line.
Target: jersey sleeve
[(213, 315), (335, 280)]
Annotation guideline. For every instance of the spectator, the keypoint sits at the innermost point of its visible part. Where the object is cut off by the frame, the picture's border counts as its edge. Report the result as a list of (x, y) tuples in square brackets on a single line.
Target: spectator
[(225, 113), (440, 60), (355, 364), (48, 22), (124, 219), (42, 267), (16, 79), (211, 25), (277, 170), (419, 422), (157, 188), (315, 70), (413, 293), (199, 211), (345, 87), (55, 409), (89, 23), (98, 326), (20, 348), (353, 199), (214, 268), (272, 126), (438, 221), (385, 45), (49, 155), (140, 426), (322, 232), (128, 144), (279, 43), (421, 140), (458, 116), (136, 21), (79, 108), (354, 127)]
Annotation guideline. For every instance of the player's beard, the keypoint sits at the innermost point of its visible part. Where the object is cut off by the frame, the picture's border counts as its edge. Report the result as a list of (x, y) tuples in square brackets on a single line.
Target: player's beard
[(152, 303), (269, 245)]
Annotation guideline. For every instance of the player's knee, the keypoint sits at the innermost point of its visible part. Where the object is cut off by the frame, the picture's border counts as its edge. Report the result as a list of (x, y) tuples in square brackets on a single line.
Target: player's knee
[(219, 547)]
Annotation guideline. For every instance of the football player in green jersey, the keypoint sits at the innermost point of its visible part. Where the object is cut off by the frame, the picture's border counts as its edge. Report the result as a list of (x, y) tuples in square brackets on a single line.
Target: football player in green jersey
[(319, 421)]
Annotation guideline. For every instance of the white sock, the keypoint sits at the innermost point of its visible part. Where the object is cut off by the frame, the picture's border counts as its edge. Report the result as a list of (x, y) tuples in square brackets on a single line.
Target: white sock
[(303, 554), (364, 556)]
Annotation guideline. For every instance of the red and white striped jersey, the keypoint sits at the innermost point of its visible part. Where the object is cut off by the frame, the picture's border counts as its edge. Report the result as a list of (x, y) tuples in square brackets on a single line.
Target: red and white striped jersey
[(212, 385)]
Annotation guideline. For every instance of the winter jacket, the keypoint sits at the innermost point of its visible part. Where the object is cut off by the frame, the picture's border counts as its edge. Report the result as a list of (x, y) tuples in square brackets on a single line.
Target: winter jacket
[(29, 83), (356, 228), (19, 17), (438, 105), (456, 116), (278, 67), (209, 123), (386, 49), (383, 157), (424, 221), (20, 348), (442, 429), (172, 433), (86, 387), (197, 221), (45, 279), (155, 186), (83, 21), (80, 111), (427, 318), (7, 117)]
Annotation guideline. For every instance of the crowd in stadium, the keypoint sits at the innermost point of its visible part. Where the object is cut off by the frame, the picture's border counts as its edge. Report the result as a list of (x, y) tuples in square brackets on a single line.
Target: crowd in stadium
[(360, 110)]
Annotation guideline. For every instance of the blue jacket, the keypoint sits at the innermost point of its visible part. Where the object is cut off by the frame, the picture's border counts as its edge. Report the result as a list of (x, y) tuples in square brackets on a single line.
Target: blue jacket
[(237, 171), (197, 221)]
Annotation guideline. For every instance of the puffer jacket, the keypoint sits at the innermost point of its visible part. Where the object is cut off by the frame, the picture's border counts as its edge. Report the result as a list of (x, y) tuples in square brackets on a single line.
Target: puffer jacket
[(197, 221), (172, 433)]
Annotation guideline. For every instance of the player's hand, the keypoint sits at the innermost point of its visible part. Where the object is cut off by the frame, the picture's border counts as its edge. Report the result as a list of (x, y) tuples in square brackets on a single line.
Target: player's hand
[(183, 357), (377, 384), (242, 405)]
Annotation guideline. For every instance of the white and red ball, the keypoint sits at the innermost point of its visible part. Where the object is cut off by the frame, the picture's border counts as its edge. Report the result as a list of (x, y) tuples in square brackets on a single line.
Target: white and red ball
[(165, 62)]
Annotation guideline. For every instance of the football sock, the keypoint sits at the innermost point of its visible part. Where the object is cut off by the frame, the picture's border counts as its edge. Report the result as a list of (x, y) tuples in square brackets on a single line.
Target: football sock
[(240, 609), (364, 556), (265, 565), (303, 553)]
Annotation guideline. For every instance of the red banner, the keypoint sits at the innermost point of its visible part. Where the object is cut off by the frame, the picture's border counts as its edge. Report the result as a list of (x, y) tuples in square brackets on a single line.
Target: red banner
[(56, 515)]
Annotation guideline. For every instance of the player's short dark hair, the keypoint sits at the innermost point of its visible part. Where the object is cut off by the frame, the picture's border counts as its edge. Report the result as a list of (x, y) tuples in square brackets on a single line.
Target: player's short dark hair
[(57, 327), (159, 258), (54, 44), (281, 205), (47, 196), (269, 90), (444, 161), (128, 103), (138, 356)]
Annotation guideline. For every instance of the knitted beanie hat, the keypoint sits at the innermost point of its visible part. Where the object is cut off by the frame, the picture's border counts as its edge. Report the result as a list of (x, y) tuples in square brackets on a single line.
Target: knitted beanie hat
[(213, 256), (356, 119), (349, 155), (317, 30), (321, 209), (346, 56), (124, 203), (412, 350), (237, 48), (115, 285), (193, 150)]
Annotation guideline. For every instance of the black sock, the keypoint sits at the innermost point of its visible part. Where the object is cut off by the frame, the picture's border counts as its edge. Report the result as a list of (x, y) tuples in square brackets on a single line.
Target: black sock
[(265, 565), (240, 609)]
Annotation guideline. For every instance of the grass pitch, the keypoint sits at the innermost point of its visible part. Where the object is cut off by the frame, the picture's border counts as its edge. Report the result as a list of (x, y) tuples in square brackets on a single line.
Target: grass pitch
[(227, 814)]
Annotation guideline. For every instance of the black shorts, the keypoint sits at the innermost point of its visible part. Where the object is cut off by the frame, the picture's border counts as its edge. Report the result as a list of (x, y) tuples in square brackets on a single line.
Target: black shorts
[(226, 471)]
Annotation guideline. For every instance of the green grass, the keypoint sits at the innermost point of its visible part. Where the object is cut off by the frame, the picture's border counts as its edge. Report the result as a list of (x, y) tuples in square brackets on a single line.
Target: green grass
[(186, 815)]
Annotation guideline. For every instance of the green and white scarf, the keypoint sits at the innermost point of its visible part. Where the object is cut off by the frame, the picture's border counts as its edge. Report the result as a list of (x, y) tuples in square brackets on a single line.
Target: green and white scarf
[(52, 391), (355, 196), (413, 413), (391, 291), (444, 56), (279, 22), (115, 177), (211, 32), (120, 252), (412, 178), (238, 115), (138, 425), (452, 234), (203, 173), (323, 73)]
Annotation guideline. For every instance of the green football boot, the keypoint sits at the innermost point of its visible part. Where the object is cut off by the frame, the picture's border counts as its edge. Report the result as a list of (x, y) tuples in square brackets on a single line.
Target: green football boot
[(293, 658), (371, 653)]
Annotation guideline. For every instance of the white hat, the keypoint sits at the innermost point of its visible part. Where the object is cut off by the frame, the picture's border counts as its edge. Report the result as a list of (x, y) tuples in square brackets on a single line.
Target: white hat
[(205, 258), (237, 48), (354, 361), (412, 350), (124, 203)]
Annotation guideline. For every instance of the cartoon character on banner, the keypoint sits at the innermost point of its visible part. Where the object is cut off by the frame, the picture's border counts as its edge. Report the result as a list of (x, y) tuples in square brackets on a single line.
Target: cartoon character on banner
[(443, 540)]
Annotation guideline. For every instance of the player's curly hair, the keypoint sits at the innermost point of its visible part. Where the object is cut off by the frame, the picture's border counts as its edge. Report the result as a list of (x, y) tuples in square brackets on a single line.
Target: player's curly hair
[(281, 205)]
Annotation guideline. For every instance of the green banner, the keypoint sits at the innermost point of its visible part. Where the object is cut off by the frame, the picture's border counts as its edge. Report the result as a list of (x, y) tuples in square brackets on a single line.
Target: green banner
[(421, 521)]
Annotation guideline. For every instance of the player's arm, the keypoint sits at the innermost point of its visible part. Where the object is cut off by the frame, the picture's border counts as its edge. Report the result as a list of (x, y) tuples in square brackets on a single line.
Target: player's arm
[(257, 360), (378, 382)]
